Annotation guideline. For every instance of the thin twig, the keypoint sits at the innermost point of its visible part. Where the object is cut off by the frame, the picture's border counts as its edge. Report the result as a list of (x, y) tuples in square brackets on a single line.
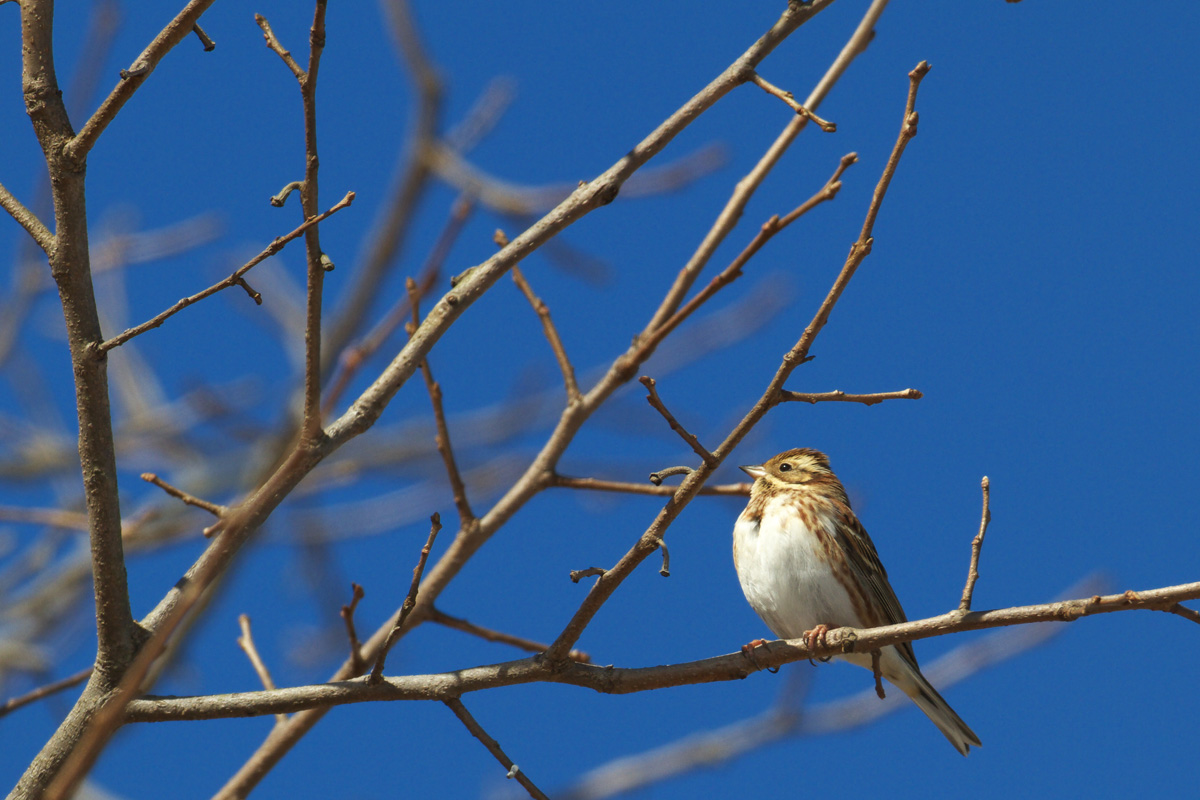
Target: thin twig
[(529, 645), (493, 747), (1185, 612), (357, 594), (579, 574), (355, 356), (409, 601), (600, 485), (790, 100), (964, 605), (543, 312), (216, 510), (277, 47), (665, 571), (246, 642), (20, 701), (279, 199), (27, 219), (657, 477), (653, 399), (766, 232), (233, 280), (205, 39), (466, 517), (840, 396), (908, 130)]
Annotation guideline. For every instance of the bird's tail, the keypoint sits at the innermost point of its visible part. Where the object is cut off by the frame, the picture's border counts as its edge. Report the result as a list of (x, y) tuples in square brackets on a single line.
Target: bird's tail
[(937, 709)]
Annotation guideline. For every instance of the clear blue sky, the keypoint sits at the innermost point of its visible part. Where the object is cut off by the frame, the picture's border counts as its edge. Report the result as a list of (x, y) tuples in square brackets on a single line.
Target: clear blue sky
[(1034, 274)]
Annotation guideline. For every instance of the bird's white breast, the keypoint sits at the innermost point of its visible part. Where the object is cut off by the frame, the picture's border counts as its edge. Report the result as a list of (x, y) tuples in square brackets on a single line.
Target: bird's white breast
[(785, 572)]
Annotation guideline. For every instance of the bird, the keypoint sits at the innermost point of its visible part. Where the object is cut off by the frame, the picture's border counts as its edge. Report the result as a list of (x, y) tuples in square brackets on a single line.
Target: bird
[(807, 565)]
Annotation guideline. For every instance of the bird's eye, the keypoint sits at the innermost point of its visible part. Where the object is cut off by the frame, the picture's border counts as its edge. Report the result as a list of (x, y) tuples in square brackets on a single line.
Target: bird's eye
[(785, 467)]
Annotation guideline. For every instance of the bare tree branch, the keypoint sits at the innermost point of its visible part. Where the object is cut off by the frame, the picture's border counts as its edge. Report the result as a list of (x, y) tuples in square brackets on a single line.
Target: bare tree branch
[(657, 403), (466, 517), (842, 397), (14, 703), (543, 312), (626, 680), (493, 747), (789, 718), (26, 219), (353, 357), (351, 633), (790, 100), (597, 484), (212, 508), (490, 635), (234, 279), (246, 642), (976, 548), (175, 32), (409, 602), (70, 266)]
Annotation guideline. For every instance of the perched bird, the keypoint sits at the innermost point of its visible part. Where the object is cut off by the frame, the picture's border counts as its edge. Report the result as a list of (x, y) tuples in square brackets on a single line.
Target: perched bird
[(806, 565)]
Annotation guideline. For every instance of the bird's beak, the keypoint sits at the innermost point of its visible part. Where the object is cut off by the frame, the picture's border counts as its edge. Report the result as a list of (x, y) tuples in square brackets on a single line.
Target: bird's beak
[(755, 471)]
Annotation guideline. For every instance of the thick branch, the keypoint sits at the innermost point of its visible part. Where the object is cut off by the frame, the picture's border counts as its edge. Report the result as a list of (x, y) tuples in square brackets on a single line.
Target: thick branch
[(71, 268), (174, 33), (625, 680)]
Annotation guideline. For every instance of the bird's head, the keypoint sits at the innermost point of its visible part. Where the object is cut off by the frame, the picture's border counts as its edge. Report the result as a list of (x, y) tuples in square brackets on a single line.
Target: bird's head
[(793, 467)]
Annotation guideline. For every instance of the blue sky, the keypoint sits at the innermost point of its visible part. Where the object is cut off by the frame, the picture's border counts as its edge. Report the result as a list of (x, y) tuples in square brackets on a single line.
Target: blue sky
[(1033, 274)]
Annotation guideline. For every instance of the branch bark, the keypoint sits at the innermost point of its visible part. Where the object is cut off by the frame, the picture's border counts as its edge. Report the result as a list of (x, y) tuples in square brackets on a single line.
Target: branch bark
[(626, 680)]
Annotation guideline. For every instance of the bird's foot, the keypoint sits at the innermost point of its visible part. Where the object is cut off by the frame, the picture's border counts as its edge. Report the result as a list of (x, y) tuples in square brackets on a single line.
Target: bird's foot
[(748, 652), (816, 638)]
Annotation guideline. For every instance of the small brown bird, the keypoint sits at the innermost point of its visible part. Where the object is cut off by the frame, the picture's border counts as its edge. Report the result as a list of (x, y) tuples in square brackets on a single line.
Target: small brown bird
[(806, 565)]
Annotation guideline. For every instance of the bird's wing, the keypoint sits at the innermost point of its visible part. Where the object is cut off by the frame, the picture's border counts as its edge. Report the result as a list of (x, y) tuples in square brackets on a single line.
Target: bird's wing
[(868, 569)]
